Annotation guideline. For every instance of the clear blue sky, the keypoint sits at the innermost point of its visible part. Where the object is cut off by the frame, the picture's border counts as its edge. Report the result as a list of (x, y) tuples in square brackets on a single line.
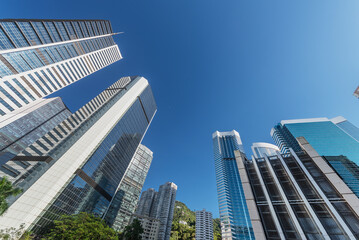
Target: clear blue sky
[(219, 65)]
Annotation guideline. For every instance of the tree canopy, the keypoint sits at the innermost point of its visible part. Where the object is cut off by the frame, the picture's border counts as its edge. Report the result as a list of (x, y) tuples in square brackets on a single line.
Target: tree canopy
[(81, 226), (133, 231), (6, 190)]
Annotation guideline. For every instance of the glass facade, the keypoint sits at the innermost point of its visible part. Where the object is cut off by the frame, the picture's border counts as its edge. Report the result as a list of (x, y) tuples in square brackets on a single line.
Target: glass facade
[(17, 133), (126, 198), (328, 138), (43, 56), (233, 211), (94, 185)]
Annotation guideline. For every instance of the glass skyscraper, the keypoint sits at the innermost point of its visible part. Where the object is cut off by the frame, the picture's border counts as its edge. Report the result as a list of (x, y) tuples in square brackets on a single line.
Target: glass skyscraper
[(22, 128), (39, 57), (329, 137), (125, 201), (79, 164), (233, 210)]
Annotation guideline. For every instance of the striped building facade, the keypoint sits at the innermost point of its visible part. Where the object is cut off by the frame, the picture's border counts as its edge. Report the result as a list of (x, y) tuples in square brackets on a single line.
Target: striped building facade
[(39, 57)]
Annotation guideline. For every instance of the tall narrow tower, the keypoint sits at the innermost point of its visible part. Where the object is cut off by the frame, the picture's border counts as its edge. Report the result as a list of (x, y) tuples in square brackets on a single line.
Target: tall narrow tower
[(233, 211)]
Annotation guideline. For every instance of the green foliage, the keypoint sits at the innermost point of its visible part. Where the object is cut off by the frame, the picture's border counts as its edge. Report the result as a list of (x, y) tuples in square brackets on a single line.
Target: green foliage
[(81, 226), (181, 231), (132, 231), (6, 190), (15, 234), (217, 229)]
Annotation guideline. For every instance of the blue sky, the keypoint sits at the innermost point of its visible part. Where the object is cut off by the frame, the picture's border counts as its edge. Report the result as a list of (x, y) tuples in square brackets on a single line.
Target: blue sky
[(219, 65)]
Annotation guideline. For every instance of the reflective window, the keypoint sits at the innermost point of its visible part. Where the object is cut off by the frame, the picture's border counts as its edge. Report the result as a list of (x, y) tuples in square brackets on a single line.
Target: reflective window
[(23, 88), (60, 27), (77, 29), (29, 33), (45, 38), (10, 97), (15, 34), (52, 30), (16, 92), (70, 29), (4, 41)]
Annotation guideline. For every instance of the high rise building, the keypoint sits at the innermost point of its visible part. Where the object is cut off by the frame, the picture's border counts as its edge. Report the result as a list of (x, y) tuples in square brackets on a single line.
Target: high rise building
[(39, 57), (204, 225), (233, 211), (297, 195), (23, 127), (261, 148), (329, 137), (82, 161), (126, 198), (159, 206)]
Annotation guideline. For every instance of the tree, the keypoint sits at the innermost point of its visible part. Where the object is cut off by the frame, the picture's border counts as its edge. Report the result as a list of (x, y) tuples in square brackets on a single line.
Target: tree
[(6, 190), (81, 226), (133, 231), (15, 234)]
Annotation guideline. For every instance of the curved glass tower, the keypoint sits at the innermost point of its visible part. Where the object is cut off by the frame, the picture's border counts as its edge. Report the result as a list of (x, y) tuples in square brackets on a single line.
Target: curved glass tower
[(261, 148), (233, 211)]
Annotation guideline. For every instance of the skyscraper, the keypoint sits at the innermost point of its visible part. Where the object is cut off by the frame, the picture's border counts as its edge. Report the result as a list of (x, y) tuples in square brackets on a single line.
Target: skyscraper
[(125, 201), (82, 161), (332, 137), (204, 225), (233, 209), (261, 148), (23, 127), (297, 196), (159, 206), (329, 137), (39, 57)]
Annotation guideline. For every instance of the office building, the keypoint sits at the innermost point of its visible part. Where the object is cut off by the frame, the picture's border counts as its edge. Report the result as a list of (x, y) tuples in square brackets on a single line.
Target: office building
[(124, 203), (160, 206), (82, 161), (22, 128), (39, 57), (297, 195), (329, 137), (261, 148), (204, 225), (233, 211)]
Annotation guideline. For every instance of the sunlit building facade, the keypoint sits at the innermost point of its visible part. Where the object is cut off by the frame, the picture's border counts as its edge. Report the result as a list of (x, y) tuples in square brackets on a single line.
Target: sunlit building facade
[(24, 126), (329, 137), (39, 57), (297, 195), (82, 161), (233, 210)]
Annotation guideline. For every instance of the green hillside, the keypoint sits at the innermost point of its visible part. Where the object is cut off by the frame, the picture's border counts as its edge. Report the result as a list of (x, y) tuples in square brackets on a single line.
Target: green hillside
[(184, 224)]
